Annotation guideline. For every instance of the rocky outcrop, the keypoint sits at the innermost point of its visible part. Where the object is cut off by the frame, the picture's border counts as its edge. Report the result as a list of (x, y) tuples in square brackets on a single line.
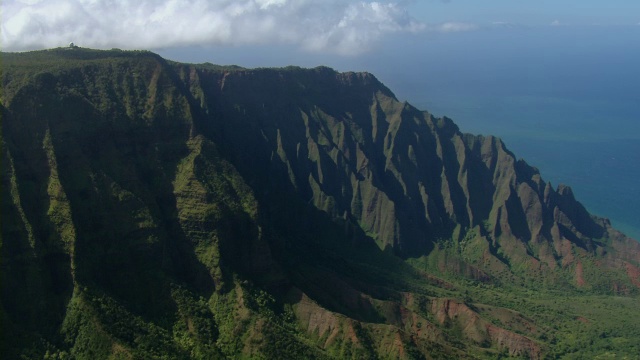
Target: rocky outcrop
[(456, 314)]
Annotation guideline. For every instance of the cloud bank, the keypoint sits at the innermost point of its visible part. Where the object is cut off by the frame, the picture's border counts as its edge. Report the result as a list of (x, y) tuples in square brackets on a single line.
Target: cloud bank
[(340, 26)]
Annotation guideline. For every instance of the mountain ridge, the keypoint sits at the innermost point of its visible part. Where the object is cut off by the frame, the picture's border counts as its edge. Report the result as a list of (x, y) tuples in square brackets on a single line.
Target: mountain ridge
[(269, 203)]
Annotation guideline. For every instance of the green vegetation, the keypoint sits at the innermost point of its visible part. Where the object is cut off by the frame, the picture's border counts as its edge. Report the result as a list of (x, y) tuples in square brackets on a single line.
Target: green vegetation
[(152, 210)]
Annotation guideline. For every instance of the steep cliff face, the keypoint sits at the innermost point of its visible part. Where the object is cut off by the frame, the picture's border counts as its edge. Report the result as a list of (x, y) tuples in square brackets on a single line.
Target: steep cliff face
[(158, 208), (411, 181)]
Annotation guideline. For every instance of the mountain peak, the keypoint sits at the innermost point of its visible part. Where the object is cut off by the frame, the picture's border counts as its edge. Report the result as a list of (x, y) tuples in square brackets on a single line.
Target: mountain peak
[(565, 190)]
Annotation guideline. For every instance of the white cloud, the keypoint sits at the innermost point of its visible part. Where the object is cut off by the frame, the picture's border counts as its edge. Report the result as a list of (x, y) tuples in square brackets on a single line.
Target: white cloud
[(345, 27), (455, 27), (555, 23)]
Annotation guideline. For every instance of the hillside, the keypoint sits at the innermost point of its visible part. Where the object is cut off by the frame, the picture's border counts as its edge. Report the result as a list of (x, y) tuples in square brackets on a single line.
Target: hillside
[(153, 209)]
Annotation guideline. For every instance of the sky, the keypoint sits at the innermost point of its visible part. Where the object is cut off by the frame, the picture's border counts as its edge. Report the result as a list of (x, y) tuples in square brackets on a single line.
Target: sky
[(340, 27), (529, 13)]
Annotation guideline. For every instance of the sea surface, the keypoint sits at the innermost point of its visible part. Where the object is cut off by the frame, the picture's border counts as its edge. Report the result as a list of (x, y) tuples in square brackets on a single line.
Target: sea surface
[(564, 98)]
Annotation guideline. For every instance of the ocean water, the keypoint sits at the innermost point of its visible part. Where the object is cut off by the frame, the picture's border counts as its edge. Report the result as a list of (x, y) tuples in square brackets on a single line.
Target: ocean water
[(564, 98)]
